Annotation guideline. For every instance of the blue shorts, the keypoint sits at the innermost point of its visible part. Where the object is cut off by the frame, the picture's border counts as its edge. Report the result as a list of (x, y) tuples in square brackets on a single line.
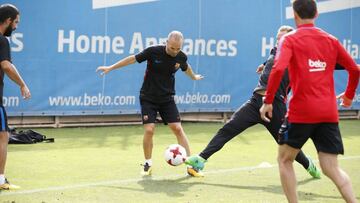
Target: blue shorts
[(3, 119)]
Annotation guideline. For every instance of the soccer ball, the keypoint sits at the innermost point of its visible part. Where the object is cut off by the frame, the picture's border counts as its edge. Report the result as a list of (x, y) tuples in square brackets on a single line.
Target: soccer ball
[(175, 154)]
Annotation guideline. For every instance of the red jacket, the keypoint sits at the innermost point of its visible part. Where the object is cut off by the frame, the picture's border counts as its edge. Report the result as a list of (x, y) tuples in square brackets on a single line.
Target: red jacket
[(311, 55)]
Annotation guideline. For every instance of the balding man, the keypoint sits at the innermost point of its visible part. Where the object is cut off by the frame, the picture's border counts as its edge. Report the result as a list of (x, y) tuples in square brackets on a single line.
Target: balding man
[(158, 90)]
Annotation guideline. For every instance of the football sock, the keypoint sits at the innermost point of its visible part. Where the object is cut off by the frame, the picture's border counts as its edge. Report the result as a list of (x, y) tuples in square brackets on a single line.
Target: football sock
[(2, 179), (302, 159), (148, 161)]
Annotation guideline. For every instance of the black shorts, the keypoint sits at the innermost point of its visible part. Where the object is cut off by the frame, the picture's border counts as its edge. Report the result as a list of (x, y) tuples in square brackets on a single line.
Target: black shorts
[(3, 120), (325, 136), (167, 110)]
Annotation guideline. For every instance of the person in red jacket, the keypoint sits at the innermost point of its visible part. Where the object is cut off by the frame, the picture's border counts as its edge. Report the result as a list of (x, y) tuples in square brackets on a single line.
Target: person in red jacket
[(310, 55)]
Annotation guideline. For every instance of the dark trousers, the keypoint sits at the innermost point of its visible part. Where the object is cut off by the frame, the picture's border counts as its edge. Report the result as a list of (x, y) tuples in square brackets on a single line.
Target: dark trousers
[(246, 116)]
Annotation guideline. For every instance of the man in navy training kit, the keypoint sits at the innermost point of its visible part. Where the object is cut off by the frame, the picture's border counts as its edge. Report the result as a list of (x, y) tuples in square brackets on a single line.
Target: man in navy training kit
[(158, 90), (310, 55), (248, 115), (9, 19)]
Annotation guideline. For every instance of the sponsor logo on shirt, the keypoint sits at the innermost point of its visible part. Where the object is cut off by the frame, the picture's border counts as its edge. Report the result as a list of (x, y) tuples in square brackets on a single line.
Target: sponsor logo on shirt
[(317, 65), (158, 61)]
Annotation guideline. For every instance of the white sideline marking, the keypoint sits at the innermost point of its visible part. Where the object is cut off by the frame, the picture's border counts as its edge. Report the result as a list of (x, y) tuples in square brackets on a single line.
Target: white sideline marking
[(133, 180)]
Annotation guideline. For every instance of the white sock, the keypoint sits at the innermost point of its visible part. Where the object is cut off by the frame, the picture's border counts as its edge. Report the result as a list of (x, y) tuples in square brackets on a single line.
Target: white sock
[(148, 161), (2, 179)]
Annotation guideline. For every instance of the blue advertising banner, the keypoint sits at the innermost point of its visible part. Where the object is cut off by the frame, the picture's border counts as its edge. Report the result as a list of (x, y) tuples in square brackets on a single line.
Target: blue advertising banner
[(59, 44)]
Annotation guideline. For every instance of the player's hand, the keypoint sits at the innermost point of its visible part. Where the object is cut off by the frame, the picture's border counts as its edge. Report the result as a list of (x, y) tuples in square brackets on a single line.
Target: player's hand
[(260, 68), (25, 92), (104, 69), (266, 110), (197, 77), (344, 100)]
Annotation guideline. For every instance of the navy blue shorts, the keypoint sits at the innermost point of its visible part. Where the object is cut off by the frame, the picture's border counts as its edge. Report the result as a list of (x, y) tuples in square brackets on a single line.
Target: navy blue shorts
[(167, 110), (325, 136), (3, 119)]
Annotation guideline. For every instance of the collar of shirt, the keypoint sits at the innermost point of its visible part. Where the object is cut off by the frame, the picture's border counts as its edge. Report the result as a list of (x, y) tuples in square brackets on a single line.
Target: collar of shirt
[(306, 25)]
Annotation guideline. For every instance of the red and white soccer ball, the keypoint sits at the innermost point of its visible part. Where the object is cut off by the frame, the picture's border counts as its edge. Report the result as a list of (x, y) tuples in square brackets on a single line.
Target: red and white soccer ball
[(175, 154)]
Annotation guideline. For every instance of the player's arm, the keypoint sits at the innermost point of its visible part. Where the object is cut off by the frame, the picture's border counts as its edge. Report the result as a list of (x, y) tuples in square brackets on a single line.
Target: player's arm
[(189, 72), (345, 60), (345, 101), (260, 68), (11, 71), (282, 60), (122, 63)]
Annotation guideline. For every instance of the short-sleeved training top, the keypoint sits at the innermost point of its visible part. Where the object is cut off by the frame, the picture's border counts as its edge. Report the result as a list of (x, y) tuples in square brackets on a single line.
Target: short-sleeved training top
[(4, 55), (159, 79)]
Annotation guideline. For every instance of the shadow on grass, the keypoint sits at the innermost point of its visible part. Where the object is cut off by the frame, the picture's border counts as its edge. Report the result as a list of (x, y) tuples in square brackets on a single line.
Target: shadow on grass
[(276, 189), (176, 188), (170, 187)]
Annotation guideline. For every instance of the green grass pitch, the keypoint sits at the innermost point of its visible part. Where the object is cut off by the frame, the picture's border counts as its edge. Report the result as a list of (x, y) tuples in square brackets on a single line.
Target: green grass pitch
[(103, 165)]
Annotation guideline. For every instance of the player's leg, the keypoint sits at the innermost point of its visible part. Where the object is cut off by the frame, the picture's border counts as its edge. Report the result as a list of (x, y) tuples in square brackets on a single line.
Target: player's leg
[(329, 144), (149, 130), (4, 139), (148, 115), (147, 147), (330, 167), (170, 115), (247, 115), (183, 141), (181, 137), (289, 146), (278, 129), (286, 157)]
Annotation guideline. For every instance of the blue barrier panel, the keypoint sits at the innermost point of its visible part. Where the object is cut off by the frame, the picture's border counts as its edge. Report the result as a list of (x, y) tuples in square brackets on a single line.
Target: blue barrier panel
[(59, 44)]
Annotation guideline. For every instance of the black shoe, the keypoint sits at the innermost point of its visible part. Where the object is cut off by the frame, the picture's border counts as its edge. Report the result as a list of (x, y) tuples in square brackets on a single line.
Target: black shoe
[(146, 170)]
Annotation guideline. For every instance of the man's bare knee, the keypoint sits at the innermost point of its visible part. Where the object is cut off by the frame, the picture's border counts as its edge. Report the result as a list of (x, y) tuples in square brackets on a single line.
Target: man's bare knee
[(286, 155), (4, 136), (149, 130), (326, 169), (283, 160), (177, 129), (329, 164)]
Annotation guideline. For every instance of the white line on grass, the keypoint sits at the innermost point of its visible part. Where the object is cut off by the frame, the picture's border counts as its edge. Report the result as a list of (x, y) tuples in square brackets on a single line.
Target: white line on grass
[(263, 165)]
